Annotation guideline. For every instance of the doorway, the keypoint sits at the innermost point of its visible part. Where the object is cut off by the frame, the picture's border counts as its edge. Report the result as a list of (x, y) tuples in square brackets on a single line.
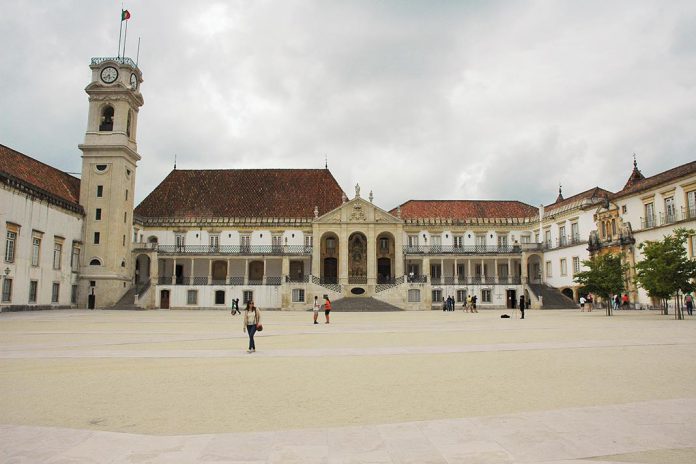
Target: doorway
[(91, 301), (511, 299), (331, 270), (164, 299), (384, 274), (179, 273)]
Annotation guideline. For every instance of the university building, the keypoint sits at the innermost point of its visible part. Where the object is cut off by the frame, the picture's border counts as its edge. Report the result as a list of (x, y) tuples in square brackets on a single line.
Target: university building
[(282, 236)]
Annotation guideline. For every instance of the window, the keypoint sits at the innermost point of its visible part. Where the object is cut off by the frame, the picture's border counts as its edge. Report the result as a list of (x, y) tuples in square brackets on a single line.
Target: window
[(437, 296), (97, 237), (95, 262), (330, 244), (435, 271), (106, 124), (604, 230), (35, 250), (33, 290), (297, 295), (97, 214), (219, 297), (525, 239), (562, 235), (576, 264), (692, 245), (247, 295), (214, 241), (126, 194), (691, 204), (480, 240), (100, 191), (6, 290), (57, 252), (413, 241), (125, 219), (547, 238), (10, 244), (101, 167), (458, 241), (414, 296), (308, 241), (276, 243), (649, 215), (613, 227), (502, 241), (55, 292), (384, 245), (192, 297), (75, 259), (179, 240), (486, 295), (128, 124), (536, 237), (564, 266), (670, 211), (123, 240), (73, 294), (575, 232), (245, 241), (461, 296), (624, 210), (548, 268)]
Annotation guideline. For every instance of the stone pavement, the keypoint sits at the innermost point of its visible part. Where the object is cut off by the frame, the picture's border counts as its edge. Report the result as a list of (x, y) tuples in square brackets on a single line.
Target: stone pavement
[(169, 387)]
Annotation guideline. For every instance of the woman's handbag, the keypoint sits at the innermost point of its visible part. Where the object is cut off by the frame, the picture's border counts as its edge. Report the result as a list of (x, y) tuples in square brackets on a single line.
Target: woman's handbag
[(259, 327)]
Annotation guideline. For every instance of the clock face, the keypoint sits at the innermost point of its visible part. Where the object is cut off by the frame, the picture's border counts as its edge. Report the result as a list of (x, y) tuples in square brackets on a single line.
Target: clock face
[(109, 74), (134, 81)]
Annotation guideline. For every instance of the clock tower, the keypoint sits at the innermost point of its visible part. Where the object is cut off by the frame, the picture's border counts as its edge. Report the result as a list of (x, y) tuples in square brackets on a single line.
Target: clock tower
[(109, 160)]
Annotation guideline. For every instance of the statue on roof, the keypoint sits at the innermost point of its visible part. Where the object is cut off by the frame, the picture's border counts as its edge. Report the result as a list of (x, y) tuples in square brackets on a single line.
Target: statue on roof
[(357, 190)]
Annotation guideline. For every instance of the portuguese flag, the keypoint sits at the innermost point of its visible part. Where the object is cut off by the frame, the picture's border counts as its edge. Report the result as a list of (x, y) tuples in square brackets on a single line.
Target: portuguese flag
[(125, 15)]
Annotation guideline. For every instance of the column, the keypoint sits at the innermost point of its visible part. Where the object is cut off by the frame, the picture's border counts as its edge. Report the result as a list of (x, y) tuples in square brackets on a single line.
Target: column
[(495, 271), (371, 255), (191, 272), (426, 267), (509, 273), (229, 270), (456, 272), (246, 271), (468, 269), (210, 272), (173, 282), (285, 268), (343, 256), (398, 253), (315, 268), (524, 268), (263, 277)]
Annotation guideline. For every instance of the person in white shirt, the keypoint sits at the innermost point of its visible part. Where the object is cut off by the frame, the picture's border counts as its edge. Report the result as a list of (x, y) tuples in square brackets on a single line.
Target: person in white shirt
[(316, 307), (582, 303)]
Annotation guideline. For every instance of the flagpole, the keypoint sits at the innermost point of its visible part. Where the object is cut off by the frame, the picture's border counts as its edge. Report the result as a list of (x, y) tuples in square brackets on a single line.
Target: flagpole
[(125, 37), (137, 54), (120, 29)]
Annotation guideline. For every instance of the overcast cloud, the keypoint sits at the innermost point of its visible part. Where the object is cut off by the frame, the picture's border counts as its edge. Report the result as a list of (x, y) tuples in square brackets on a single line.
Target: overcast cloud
[(424, 100)]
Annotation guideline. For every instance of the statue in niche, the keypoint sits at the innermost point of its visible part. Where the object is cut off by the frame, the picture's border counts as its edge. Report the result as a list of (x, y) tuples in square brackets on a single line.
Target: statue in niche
[(358, 249)]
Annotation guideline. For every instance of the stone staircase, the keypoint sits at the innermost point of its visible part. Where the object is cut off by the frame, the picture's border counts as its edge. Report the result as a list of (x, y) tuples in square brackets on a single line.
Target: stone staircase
[(127, 301), (552, 297), (348, 304)]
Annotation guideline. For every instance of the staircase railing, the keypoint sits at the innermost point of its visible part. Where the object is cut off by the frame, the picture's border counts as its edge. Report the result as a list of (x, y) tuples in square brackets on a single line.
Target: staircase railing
[(330, 286), (142, 287), (387, 285)]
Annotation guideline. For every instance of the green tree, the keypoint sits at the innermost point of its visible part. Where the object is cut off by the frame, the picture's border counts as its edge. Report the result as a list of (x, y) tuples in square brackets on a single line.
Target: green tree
[(604, 277), (666, 270)]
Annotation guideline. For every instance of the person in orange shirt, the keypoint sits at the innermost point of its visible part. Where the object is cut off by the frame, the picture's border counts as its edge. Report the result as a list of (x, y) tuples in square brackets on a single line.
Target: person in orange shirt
[(327, 308)]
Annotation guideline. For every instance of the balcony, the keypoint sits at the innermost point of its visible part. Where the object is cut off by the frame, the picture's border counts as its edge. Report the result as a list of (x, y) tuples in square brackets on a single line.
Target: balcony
[(476, 280), (665, 219), (121, 59), (463, 250), (563, 241), (232, 280), (234, 250)]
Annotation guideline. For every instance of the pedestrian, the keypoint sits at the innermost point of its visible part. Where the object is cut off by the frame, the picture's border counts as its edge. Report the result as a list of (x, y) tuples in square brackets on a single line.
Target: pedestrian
[(589, 302), (522, 302), (473, 304), (235, 306), (624, 301), (689, 301), (582, 304), (316, 307), (252, 323), (327, 308), (468, 304), (617, 301), (444, 304)]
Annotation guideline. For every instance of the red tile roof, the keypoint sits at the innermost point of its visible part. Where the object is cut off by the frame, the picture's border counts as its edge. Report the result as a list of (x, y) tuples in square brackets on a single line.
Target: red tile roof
[(465, 209), (635, 185), (594, 194), (234, 193), (40, 179)]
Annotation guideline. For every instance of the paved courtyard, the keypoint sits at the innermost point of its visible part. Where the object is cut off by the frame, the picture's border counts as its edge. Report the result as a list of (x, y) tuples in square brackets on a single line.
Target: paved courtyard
[(406, 387)]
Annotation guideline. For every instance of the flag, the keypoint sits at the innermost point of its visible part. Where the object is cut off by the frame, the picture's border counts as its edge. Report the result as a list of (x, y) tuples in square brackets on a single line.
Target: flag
[(125, 15)]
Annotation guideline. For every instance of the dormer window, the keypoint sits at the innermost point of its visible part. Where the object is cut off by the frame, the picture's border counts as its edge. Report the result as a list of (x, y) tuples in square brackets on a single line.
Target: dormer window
[(106, 124)]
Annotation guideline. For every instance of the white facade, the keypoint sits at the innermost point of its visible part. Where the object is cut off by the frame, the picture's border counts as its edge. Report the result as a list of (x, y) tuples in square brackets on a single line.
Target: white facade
[(41, 262)]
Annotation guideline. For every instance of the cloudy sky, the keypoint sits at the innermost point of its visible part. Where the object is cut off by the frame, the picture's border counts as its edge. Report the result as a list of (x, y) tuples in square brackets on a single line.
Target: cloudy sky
[(412, 99)]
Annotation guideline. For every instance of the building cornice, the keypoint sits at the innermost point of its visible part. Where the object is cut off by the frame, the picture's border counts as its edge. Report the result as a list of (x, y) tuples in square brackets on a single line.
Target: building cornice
[(40, 194)]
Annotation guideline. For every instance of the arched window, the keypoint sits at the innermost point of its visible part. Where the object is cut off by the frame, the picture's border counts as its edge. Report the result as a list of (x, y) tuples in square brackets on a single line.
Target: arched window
[(106, 124), (128, 124), (95, 262), (613, 226)]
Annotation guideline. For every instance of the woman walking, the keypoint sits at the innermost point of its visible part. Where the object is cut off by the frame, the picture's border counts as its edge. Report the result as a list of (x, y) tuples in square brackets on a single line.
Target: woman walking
[(252, 321)]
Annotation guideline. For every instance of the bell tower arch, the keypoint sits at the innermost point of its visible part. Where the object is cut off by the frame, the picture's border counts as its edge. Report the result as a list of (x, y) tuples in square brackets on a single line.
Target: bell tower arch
[(109, 161)]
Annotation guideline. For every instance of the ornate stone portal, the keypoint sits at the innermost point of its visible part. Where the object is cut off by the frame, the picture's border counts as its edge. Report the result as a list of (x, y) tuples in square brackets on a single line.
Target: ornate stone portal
[(357, 246)]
